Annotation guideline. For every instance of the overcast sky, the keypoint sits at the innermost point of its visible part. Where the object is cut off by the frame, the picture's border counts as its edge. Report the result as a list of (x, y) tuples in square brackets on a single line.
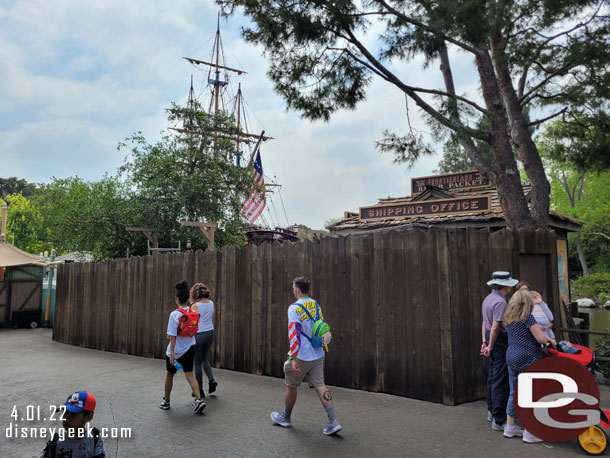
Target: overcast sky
[(76, 78)]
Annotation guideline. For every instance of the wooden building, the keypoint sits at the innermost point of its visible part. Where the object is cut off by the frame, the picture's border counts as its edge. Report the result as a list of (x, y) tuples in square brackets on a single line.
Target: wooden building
[(460, 200), (469, 201)]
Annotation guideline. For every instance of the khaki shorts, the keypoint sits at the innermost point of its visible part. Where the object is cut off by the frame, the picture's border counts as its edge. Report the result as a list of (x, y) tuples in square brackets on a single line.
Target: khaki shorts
[(311, 371)]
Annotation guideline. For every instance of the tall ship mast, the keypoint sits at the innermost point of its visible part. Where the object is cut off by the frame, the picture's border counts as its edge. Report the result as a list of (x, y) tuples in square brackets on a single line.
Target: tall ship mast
[(217, 96)]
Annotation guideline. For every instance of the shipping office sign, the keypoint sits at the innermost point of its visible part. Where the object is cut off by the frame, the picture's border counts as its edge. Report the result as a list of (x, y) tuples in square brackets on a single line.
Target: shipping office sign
[(475, 204), (462, 180)]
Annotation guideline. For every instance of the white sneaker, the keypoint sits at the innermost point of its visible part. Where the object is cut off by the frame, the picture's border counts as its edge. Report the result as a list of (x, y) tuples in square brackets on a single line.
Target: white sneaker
[(279, 418), (515, 431), (530, 438), (332, 428)]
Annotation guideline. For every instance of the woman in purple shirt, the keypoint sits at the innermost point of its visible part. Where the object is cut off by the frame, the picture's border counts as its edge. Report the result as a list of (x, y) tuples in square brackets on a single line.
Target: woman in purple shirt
[(524, 340)]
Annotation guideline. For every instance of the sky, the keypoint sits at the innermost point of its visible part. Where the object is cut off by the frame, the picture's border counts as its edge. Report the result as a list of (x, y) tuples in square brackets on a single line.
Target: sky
[(77, 78)]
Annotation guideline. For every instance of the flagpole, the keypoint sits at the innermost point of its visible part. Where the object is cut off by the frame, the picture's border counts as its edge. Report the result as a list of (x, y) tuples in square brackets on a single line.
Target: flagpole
[(258, 144)]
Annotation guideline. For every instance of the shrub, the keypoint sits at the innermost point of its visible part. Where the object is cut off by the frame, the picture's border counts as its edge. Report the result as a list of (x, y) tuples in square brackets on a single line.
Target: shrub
[(595, 286), (602, 348)]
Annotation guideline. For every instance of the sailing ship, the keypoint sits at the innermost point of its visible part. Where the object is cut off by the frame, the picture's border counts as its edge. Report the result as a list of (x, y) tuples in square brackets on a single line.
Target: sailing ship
[(247, 143)]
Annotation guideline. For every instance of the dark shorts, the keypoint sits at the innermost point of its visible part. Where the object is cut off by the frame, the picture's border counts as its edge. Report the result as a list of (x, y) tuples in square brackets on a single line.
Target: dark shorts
[(186, 360)]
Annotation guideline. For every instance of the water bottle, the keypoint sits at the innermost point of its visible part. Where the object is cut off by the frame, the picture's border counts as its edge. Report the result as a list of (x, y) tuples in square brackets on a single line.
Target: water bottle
[(177, 365)]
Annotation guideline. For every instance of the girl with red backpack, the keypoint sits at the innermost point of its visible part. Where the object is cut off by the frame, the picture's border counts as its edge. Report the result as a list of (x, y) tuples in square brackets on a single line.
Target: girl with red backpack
[(181, 329)]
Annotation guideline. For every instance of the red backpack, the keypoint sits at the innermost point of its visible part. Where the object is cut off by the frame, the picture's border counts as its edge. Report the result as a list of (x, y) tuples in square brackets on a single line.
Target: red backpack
[(188, 323)]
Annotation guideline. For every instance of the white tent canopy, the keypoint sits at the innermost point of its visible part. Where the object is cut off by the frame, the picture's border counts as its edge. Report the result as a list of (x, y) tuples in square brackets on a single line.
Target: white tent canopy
[(11, 256)]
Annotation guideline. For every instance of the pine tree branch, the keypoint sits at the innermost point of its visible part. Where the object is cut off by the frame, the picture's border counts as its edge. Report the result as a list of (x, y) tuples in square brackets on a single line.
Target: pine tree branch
[(414, 88), (412, 93), (362, 62), (547, 40), (465, 141), (554, 115), (428, 28), (526, 98)]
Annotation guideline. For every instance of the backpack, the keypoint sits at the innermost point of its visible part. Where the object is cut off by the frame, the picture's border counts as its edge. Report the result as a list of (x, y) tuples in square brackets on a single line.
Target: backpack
[(321, 330), (50, 451), (188, 323)]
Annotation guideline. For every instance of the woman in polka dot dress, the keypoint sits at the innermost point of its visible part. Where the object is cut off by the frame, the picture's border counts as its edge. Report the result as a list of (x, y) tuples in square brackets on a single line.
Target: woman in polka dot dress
[(524, 339)]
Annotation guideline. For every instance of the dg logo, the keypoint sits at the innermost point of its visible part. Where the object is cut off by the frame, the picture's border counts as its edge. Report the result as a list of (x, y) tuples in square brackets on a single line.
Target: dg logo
[(557, 399)]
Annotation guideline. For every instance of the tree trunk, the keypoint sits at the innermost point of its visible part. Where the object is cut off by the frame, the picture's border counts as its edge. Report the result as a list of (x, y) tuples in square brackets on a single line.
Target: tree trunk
[(522, 138), (505, 173), (581, 255)]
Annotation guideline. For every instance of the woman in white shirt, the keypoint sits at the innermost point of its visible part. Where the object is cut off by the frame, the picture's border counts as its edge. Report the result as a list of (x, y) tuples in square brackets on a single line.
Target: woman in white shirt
[(200, 296)]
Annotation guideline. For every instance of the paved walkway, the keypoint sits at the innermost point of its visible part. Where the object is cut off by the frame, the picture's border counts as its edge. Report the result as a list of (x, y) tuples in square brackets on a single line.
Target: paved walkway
[(37, 371)]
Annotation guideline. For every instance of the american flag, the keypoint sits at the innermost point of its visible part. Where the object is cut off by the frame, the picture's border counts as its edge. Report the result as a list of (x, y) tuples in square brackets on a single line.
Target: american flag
[(255, 202)]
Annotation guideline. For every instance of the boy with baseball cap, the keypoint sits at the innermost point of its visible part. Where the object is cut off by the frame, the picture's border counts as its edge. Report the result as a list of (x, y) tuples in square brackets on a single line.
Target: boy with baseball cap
[(76, 441)]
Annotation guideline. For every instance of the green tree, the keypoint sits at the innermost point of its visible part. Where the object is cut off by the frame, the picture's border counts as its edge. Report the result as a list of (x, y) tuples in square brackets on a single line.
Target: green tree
[(14, 185), (577, 162), (582, 142), (455, 159), (526, 53), (25, 225), (188, 176), (87, 216), (586, 196)]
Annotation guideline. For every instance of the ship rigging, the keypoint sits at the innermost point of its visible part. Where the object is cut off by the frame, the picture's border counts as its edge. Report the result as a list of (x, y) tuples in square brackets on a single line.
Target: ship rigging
[(216, 96)]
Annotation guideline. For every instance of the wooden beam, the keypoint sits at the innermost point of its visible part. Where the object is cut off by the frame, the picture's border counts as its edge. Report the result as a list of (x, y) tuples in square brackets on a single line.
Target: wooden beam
[(150, 233), (206, 229), (244, 136), (197, 62)]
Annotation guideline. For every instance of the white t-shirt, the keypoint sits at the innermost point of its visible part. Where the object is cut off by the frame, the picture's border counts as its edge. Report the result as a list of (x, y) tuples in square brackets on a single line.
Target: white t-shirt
[(206, 313), (182, 343), (297, 315)]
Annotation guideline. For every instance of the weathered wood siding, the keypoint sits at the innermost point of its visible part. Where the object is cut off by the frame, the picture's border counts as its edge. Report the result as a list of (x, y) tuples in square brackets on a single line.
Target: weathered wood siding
[(404, 306)]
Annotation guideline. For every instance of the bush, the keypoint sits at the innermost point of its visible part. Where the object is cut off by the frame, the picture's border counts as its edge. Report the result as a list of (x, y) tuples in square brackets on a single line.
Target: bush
[(602, 348), (594, 286)]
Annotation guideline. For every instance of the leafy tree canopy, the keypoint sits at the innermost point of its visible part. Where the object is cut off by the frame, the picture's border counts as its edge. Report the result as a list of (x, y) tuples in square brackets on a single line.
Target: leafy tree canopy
[(188, 177), (185, 176), (583, 142), (526, 53), (25, 226), (582, 194), (86, 216), (14, 185)]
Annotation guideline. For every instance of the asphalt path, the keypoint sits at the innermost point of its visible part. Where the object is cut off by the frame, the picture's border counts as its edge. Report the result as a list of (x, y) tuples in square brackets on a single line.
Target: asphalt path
[(40, 373)]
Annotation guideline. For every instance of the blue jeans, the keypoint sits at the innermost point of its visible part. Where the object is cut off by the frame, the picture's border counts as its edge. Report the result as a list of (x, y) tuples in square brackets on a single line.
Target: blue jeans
[(513, 375)]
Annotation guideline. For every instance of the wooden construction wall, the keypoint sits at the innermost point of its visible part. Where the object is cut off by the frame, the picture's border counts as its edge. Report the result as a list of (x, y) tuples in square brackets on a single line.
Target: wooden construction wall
[(404, 306)]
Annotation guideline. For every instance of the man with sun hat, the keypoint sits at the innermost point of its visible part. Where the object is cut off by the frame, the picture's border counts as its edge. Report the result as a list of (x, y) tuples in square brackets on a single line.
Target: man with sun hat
[(495, 343)]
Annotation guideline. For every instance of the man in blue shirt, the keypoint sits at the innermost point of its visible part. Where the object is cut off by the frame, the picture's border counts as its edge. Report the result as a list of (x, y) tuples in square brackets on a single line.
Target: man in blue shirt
[(495, 343)]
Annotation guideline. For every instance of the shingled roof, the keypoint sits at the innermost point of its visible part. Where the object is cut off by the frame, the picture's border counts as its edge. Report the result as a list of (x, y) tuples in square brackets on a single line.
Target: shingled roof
[(491, 218)]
